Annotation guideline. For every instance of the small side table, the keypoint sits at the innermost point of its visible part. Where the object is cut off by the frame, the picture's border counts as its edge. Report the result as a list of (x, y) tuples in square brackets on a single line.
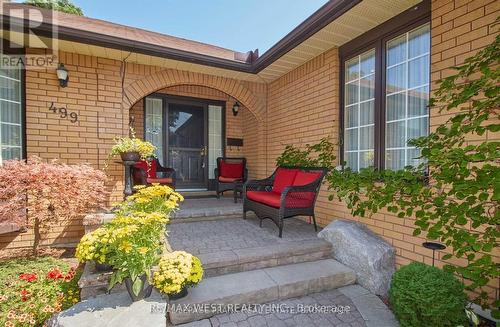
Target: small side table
[(237, 191)]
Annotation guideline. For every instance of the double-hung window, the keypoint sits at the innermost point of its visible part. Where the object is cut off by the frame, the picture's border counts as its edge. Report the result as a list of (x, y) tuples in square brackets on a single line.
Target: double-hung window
[(11, 113), (407, 96), (385, 99), (359, 110)]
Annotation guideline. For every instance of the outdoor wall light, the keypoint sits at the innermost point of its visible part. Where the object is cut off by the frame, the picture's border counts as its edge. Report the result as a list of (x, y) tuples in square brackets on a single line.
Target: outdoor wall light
[(236, 108), (62, 75)]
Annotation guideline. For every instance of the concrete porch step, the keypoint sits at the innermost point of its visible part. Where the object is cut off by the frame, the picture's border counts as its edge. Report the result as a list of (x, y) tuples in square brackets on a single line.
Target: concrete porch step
[(251, 258), (93, 283), (259, 286), (206, 208)]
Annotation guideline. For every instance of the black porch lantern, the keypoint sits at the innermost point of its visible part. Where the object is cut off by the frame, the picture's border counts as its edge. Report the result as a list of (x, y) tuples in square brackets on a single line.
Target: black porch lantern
[(236, 108), (62, 75)]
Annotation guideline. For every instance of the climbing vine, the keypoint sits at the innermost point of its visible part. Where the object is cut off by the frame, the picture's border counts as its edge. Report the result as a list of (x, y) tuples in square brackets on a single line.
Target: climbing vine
[(321, 154), (454, 195)]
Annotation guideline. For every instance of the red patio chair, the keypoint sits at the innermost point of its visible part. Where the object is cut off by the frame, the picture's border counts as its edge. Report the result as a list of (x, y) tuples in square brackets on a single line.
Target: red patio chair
[(229, 171), (144, 174)]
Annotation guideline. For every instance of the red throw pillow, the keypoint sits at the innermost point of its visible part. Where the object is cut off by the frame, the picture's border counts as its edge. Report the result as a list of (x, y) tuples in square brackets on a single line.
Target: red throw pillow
[(150, 169), (304, 178), (231, 170), (284, 177)]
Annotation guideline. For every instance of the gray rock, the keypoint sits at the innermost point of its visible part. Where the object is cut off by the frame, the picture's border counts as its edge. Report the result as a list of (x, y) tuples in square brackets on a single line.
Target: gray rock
[(368, 255), (114, 310)]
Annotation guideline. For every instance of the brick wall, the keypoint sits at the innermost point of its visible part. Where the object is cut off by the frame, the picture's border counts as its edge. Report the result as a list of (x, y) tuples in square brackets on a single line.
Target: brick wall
[(459, 29), (298, 108), (304, 107), (96, 94)]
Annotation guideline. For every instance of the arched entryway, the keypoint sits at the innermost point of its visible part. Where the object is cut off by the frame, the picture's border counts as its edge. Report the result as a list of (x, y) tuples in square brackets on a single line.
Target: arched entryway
[(206, 106)]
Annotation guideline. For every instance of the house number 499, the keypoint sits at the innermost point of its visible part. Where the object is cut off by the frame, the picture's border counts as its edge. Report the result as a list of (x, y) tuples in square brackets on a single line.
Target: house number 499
[(63, 113)]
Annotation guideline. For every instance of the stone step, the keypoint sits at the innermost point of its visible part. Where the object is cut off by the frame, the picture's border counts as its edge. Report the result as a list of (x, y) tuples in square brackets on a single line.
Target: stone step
[(215, 294), (113, 310), (93, 283), (202, 209), (245, 259)]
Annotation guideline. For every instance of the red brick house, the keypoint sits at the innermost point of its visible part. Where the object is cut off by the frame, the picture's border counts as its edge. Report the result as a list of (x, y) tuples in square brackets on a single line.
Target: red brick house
[(359, 71)]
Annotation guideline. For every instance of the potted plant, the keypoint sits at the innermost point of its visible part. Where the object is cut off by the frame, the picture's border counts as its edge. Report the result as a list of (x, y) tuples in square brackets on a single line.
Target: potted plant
[(132, 148), (156, 198), (137, 245), (176, 272), (134, 240), (93, 246)]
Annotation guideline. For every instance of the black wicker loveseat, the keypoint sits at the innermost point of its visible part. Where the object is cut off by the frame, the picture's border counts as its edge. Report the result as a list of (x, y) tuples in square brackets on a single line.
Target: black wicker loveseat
[(288, 192)]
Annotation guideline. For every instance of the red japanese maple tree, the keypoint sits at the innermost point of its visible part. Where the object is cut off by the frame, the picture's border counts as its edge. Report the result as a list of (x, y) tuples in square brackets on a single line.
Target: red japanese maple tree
[(39, 194)]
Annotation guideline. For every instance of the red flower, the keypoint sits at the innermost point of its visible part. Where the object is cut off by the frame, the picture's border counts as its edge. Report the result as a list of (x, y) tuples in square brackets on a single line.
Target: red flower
[(24, 295), (71, 273), (54, 274), (28, 277)]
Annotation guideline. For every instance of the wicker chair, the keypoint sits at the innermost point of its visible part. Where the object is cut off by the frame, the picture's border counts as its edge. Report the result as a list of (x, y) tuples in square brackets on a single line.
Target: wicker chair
[(287, 193), (144, 174), (228, 172)]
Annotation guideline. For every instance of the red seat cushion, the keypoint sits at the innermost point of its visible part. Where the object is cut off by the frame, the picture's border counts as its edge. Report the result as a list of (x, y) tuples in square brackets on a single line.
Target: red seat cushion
[(304, 178), (150, 169), (272, 199), (223, 179), (231, 170), (165, 180), (284, 177)]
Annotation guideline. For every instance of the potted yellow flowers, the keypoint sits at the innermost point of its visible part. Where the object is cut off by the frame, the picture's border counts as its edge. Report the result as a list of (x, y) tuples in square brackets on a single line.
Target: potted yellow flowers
[(176, 272), (132, 148), (93, 247), (134, 240)]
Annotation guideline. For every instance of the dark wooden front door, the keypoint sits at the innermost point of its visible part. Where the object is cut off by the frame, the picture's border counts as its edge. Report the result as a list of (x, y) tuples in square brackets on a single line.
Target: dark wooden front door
[(187, 150), (188, 134)]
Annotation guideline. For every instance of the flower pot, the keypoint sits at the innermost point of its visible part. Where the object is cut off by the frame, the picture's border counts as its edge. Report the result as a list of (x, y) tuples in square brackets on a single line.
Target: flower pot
[(145, 291), (130, 156), (102, 267), (179, 295)]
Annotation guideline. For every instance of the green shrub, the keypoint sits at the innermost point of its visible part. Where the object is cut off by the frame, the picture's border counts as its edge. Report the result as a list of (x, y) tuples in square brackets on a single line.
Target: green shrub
[(422, 295)]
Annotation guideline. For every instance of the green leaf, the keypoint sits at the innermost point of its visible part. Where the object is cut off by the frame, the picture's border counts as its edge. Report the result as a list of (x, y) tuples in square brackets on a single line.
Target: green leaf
[(461, 220), (488, 247), (137, 286), (446, 256)]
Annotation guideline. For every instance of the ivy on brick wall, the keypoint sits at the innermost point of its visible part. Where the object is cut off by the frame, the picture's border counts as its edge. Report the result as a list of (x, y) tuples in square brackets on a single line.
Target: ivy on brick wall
[(321, 154), (458, 204)]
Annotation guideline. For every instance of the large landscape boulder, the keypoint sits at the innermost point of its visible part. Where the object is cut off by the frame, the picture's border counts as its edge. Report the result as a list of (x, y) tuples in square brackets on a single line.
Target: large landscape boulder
[(367, 254), (113, 310)]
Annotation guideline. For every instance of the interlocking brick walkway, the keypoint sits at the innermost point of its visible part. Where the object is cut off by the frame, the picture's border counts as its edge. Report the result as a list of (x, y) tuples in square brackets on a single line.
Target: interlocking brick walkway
[(225, 237), (229, 234), (287, 319)]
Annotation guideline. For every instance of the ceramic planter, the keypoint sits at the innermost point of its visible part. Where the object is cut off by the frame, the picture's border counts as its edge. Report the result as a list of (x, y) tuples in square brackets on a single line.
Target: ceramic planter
[(145, 291), (102, 267), (130, 156), (179, 295)]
